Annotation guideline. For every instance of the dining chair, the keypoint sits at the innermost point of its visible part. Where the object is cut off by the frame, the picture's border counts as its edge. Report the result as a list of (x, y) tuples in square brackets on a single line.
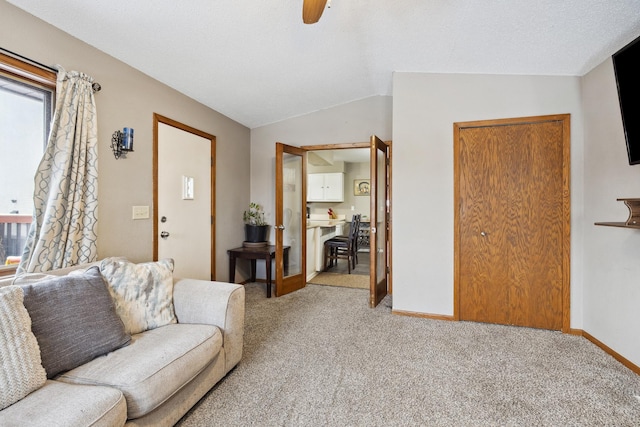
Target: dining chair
[(343, 247)]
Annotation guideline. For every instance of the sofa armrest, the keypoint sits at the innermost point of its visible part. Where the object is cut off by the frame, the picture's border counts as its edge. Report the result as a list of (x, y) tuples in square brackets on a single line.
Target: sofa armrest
[(213, 303)]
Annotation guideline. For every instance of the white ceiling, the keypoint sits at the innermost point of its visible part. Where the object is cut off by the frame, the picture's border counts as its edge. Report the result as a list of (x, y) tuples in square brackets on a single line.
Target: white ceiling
[(257, 63)]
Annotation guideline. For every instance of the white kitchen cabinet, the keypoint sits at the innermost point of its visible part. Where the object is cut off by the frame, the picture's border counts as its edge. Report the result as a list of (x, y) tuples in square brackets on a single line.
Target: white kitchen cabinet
[(325, 187)]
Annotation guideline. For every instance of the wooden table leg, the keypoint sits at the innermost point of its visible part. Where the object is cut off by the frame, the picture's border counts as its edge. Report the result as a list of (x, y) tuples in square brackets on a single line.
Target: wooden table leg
[(286, 261), (232, 268), (253, 270), (268, 272)]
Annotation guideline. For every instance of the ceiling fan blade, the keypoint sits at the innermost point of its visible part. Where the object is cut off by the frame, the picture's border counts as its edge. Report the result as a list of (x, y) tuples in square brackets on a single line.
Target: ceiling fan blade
[(312, 10)]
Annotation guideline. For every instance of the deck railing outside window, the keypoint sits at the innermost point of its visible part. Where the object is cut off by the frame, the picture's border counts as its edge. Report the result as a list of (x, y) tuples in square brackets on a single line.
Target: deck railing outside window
[(13, 236)]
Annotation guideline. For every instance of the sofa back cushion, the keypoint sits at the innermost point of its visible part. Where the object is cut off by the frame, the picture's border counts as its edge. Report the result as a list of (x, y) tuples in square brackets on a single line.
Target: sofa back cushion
[(143, 293), (21, 371), (74, 319)]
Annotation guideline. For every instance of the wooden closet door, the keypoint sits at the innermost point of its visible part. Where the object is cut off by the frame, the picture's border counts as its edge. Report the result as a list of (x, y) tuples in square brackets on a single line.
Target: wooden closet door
[(511, 223)]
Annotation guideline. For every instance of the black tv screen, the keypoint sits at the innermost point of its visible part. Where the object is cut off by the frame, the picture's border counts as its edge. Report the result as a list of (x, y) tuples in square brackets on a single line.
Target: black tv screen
[(626, 64)]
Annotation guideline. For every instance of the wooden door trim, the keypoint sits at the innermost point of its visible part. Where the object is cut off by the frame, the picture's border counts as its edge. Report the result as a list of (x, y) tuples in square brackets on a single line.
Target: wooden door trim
[(566, 205), (157, 118), (344, 146), (389, 219)]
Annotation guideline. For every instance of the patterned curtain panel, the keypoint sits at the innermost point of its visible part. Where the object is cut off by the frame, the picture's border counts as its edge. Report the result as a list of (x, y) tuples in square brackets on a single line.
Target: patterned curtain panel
[(64, 228)]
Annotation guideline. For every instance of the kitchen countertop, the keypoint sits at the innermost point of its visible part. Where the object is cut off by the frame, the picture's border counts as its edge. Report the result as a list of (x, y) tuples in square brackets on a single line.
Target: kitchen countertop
[(324, 223)]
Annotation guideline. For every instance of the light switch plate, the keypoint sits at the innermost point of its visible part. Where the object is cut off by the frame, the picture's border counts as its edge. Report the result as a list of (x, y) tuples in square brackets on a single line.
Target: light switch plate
[(187, 188), (141, 212)]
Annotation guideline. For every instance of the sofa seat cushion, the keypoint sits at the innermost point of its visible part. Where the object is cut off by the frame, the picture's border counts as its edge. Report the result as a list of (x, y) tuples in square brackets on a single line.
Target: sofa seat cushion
[(155, 365), (69, 405)]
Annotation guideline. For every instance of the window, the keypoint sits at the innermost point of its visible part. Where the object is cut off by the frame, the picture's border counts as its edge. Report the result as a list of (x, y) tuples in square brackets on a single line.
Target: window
[(26, 105)]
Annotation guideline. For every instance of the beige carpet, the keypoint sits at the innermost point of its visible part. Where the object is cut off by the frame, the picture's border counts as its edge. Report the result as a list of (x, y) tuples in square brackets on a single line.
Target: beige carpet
[(320, 357), (345, 280)]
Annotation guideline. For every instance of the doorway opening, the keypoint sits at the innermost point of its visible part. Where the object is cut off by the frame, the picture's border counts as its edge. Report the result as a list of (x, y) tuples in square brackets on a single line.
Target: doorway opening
[(291, 230), (347, 171), (378, 185)]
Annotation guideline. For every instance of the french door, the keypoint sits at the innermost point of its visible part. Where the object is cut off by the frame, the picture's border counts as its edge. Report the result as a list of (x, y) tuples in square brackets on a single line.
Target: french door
[(379, 234), (291, 219), (291, 199)]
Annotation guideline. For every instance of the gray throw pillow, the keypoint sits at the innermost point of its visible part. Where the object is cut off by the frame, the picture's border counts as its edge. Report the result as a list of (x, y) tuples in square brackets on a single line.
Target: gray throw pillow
[(74, 320)]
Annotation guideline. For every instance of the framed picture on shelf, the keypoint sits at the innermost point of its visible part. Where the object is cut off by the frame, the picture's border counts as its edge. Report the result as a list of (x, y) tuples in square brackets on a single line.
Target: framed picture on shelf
[(361, 187)]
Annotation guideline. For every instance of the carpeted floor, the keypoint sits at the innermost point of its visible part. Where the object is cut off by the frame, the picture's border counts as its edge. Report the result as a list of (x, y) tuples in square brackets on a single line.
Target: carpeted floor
[(321, 357)]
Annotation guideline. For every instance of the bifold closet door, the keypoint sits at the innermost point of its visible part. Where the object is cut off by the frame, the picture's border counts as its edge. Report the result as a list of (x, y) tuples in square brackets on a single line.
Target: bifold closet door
[(512, 223)]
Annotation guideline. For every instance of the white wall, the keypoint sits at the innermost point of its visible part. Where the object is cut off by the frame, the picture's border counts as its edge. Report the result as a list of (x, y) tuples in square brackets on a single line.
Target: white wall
[(425, 107), (361, 204), (129, 98), (611, 268), (352, 122)]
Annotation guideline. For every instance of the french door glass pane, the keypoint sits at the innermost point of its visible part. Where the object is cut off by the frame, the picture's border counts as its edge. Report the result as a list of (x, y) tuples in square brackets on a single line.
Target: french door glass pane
[(292, 216)]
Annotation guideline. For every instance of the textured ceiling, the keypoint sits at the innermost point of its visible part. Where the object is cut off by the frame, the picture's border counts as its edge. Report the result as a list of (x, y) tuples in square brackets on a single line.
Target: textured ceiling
[(257, 63)]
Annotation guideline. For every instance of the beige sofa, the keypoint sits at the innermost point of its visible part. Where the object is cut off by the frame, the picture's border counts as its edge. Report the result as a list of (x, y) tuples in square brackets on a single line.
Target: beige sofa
[(154, 379)]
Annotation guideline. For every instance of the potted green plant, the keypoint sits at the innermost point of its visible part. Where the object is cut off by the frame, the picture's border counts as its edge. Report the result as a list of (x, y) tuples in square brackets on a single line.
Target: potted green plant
[(255, 227)]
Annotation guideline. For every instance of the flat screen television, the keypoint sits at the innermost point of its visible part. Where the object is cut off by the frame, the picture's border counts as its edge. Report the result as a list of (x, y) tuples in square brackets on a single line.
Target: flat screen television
[(626, 65)]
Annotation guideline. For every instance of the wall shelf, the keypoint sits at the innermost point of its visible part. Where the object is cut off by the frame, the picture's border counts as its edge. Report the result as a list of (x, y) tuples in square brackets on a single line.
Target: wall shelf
[(634, 215), (618, 224)]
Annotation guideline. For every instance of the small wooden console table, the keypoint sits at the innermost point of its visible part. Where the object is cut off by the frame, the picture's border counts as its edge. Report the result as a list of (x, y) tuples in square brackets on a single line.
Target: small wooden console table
[(266, 253)]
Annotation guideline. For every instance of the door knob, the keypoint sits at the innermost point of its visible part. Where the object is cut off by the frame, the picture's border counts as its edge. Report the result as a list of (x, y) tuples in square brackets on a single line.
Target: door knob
[(164, 234), (280, 227), (483, 234)]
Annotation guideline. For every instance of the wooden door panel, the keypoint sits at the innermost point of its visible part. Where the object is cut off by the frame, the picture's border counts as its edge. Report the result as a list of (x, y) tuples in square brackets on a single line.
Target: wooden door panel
[(536, 286), (512, 190), (483, 234)]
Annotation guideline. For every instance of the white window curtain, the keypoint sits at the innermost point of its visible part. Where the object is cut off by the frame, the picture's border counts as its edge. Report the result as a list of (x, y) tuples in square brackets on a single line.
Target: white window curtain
[(65, 216)]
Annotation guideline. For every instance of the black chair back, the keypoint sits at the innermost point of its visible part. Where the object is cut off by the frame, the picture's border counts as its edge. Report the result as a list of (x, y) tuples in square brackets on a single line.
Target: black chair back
[(355, 225)]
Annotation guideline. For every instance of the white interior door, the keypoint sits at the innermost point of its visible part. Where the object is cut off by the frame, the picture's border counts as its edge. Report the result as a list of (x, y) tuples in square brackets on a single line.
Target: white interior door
[(184, 214)]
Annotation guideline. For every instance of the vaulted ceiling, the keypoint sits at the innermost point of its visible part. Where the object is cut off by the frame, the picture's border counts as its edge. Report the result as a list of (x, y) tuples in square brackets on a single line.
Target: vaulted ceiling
[(257, 63)]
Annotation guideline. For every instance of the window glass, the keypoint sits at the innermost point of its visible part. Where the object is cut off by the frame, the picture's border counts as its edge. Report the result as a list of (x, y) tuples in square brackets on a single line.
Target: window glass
[(25, 117)]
